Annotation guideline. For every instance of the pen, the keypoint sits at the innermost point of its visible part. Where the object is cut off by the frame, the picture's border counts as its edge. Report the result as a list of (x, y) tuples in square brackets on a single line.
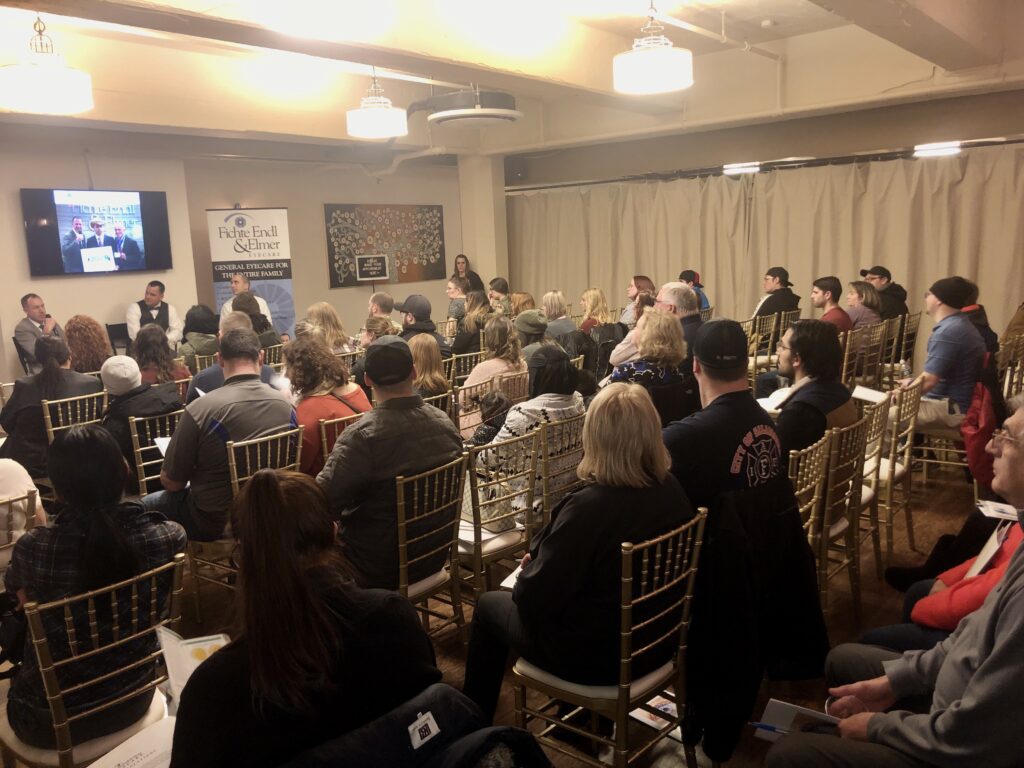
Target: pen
[(769, 728)]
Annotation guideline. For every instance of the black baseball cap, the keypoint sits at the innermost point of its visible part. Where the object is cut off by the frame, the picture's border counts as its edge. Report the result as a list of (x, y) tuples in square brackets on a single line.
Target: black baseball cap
[(689, 276), (781, 273), (388, 360), (879, 271), (416, 305), (721, 344)]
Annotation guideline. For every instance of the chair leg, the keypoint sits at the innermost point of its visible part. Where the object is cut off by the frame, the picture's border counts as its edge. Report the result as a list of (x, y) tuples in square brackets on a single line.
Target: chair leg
[(193, 571), (853, 553), (691, 756), (876, 537), (907, 512), (9, 761), (520, 696)]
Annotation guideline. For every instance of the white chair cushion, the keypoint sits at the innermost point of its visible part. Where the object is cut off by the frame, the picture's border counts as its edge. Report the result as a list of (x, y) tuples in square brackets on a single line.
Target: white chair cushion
[(883, 472), (426, 585), (85, 752), (494, 544), (838, 528), (646, 685), (867, 495)]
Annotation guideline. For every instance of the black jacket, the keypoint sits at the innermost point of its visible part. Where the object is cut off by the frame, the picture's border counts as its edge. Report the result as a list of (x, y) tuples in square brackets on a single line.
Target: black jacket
[(781, 300), (977, 315), (146, 400), (894, 301), (427, 326)]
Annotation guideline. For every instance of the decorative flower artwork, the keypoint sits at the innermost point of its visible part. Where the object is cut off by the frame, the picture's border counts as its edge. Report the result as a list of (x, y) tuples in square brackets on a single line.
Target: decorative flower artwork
[(412, 236)]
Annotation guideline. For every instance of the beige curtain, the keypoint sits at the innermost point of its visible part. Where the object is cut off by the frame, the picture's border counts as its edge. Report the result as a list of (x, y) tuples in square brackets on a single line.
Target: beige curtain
[(923, 219)]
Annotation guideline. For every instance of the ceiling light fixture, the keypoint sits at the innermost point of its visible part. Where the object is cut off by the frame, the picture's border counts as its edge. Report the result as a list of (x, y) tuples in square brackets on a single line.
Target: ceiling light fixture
[(376, 118), (937, 149), (653, 65), (734, 169), (42, 83)]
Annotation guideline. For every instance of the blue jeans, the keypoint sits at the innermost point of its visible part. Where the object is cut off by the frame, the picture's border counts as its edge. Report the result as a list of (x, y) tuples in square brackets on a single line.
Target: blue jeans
[(175, 507), (907, 636)]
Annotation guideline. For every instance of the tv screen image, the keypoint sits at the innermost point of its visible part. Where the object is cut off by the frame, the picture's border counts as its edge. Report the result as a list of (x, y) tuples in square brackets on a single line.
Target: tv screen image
[(74, 231)]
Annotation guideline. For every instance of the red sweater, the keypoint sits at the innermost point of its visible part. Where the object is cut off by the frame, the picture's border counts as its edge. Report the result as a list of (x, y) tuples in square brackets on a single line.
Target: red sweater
[(962, 596), (310, 411)]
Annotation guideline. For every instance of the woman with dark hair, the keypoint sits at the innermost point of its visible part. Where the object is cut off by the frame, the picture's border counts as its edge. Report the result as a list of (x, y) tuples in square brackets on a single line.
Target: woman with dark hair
[(478, 312), (156, 363), (637, 284), (314, 656), (463, 270), (98, 540), (200, 333), (497, 293), (321, 383), (22, 416), (246, 302), (88, 343), (553, 395)]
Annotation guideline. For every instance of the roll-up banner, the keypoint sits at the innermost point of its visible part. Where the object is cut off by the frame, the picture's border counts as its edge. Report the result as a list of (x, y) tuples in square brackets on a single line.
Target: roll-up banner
[(254, 242)]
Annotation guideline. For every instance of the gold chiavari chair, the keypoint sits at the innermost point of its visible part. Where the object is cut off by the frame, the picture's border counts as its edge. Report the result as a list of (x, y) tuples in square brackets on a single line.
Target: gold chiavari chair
[(515, 385), (1010, 366), (204, 361), (891, 367), (5, 392), (467, 401), (183, 385), (577, 362), (869, 364), (895, 473), (877, 417), (658, 579), (272, 355), (148, 457), (707, 314), (561, 452), (445, 402), (428, 542), (66, 637), (349, 358), (908, 342), (330, 429), (786, 320), (60, 415), (448, 328), (851, 342), (11, 508), (761, 338), (461, 365), (807, 472), (178, 362)]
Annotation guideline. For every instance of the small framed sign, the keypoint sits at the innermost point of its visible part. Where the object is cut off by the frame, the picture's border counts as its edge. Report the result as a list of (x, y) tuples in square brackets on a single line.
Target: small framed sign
[(372, 267)]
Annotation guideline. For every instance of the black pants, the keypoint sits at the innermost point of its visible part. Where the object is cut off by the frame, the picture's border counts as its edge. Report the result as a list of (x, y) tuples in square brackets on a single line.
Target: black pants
[(496, 629)]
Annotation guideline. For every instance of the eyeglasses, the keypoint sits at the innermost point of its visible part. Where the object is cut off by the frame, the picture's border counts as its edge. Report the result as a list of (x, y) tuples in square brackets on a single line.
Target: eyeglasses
[(786, 347), (1001, 436)]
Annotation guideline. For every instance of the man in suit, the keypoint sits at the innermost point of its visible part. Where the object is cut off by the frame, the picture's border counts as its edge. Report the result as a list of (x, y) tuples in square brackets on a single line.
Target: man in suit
[(36, 325), (97, 239), (127, 254), (71, 246)]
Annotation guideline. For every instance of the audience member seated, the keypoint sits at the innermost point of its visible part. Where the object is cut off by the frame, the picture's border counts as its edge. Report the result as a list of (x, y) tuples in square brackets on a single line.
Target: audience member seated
[(36, 324), (246, 302), (323, 317), (863, 304), (553, 395), (195, 476), (456, 291), (375, 327), (692, 279), (563, 614), (22, 416), (973, 678), (637, 283), (402, 435), (382, 304), (933, 608), (501, 356), (426, 357), (825, 295), (130, 396), (95, 540), (497, 294), (778, 295), (151, 309), (532, 329), (417, 320), (1016, 324), (811, 357), (555, 308), (240, 284), (893, 296), (977, 315), (88, 343), (200, 334), (465, 271), (209, 379), (321, 383), (520, 302), (478, 312), (323, 657), (662, 349), (595, 309), (156, 362), (494, 407), (15, 481)]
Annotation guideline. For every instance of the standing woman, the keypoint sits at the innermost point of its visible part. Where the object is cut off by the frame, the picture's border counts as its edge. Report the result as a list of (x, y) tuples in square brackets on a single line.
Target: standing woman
[(595, 309), (637, 284), (321, 383), (323, 317), (463, 270), (478, 312), (321, 658), (863, 304), (154, 357), (88, 343), (426, 359)]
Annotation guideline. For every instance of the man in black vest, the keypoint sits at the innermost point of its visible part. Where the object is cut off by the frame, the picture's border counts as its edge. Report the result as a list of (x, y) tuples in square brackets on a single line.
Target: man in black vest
[(153, 309)]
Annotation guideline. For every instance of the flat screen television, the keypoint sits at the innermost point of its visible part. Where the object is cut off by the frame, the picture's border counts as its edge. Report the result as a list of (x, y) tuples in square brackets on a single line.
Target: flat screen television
[(95, 232)]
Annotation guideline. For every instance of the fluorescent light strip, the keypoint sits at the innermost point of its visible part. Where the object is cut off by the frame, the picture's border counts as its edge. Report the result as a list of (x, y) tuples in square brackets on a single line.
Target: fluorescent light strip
[(937, 149), (733, 169)]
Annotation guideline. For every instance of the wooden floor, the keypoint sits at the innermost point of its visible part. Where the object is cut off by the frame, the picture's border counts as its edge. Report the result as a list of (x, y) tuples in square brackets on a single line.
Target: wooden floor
[(939, 509)]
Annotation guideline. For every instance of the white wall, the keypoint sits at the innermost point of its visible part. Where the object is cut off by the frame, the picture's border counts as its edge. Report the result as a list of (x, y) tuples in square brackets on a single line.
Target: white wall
[(43, 165)]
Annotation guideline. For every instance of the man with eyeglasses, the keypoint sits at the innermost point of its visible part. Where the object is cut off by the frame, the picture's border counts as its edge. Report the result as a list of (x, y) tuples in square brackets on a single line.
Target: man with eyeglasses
[(974, 677), (778, 293), (893, 295)]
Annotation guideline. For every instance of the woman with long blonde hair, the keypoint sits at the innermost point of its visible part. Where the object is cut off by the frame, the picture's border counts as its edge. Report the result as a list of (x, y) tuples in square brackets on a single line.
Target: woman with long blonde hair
[(564, 613), (863, 304), (478, 311), (426, 358), (595, 309), (521, 301), (324, 317), (661, 348)]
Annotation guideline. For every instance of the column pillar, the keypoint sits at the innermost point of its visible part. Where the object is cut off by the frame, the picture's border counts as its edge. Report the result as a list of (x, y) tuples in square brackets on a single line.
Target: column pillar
[(484, 223)]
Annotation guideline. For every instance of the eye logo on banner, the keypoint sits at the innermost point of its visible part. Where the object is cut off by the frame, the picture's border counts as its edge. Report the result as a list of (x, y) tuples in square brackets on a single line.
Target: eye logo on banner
[(253, 242)]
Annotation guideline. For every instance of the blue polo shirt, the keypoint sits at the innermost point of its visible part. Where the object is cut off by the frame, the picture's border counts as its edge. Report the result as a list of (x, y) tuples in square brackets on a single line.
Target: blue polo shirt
[(955, 354)]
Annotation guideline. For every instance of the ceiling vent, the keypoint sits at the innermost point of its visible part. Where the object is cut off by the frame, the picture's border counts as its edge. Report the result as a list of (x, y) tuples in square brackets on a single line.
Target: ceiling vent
[(469, 109)]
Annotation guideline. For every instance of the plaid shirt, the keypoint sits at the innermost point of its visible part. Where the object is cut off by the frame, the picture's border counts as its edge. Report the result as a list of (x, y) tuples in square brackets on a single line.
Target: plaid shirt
[(45, 563)]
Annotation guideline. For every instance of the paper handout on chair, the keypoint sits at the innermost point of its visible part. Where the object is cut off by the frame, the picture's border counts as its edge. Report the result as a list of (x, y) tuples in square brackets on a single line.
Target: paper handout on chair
[(161, 443), (149, 748), (787, 718), (871, 395), (184, 656)]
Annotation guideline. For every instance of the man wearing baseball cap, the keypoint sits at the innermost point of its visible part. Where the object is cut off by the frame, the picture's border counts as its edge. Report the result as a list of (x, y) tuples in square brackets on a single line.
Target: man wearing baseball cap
[(402, 435), (893, 295), (778, 296), (692, 279), (416, 320)]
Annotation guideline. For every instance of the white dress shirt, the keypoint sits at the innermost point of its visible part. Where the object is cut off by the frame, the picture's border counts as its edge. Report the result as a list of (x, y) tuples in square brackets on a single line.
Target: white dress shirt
[(174, 325)]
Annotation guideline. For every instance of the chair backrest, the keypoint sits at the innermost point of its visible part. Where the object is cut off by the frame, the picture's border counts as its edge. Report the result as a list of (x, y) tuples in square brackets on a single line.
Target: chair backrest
[(502, 484), (148, 458), (763, 334), (891, 344), (448, 366), (1010, 365), (22, 355), (445, 402), (807, 472), (467, 399), (95, 374), (845, 473), (877, 415), (136, 608), (515, 385), (658, 578), (205, 361), (7, 514), (428, 509), (118, 335), (448, 327), (278, 451), (461, 365), (5, 392), (911, 323), (707, 314), (182, 385), (901, 430), (578, 362), (561, 452), (331, 428), (349, 358), (872, 347), (786, 320), (851, 342), (272, 355), (59, 415)]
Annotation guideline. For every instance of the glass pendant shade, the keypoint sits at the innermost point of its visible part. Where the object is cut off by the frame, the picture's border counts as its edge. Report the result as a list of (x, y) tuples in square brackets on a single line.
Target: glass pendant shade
[(652, 66), (376, 118)]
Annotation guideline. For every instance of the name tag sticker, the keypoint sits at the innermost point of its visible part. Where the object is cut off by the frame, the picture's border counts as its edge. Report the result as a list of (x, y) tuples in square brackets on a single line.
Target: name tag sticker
[(423, 729)]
